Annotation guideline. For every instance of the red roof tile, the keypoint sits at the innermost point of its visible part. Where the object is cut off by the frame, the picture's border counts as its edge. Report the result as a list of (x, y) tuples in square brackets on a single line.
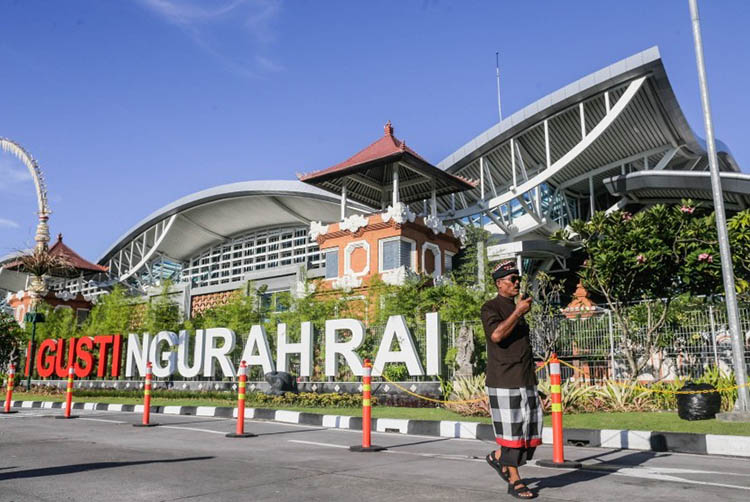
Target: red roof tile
[(387, 146), (75, 260)]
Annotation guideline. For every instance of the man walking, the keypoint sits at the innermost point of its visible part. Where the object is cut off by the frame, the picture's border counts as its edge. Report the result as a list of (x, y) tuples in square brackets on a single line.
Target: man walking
[(511, 380)]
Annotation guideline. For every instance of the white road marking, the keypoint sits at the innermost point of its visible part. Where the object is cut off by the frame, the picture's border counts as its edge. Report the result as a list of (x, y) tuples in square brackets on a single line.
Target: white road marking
[(633, 472), (375, 433), (665, 470), (103, 420), (430, 455), (317, 444), (190, 429), (638, 473), (646, 472)]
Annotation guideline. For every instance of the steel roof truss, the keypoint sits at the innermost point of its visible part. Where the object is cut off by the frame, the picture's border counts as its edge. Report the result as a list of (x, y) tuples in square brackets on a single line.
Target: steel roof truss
[(161, 230)]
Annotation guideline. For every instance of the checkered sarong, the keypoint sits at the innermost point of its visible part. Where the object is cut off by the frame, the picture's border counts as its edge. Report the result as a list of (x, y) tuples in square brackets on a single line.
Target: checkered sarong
[(516, 416)]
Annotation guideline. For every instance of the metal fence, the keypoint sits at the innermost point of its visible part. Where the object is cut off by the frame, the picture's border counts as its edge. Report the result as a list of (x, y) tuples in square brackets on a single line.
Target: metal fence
[(693, 343)]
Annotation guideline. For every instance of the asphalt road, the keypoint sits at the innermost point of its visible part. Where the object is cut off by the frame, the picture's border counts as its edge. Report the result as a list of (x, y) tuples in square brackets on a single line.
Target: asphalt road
[(99, 456)]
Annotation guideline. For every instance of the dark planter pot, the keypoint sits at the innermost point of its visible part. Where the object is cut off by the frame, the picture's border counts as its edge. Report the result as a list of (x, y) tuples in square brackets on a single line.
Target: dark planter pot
[(699, 406)]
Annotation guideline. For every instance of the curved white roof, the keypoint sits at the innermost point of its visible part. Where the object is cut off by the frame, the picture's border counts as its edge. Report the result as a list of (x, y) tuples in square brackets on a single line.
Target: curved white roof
[(194, 222), (546, 164), (646, 63), (672, 186)]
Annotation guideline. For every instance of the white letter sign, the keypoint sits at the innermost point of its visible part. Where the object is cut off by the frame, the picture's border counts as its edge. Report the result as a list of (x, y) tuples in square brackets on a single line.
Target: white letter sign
[(396, 326), (346, 349)]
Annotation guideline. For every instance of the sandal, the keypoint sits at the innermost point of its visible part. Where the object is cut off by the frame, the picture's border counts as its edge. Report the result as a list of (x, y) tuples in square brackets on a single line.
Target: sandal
[(495, 464), (519, 487)]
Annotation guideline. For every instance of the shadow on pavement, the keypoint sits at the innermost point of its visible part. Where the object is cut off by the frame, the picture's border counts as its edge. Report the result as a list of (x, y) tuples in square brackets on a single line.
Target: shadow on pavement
[(176, 422), (260, 434), (71, 469), (419, 442), (591, 472)]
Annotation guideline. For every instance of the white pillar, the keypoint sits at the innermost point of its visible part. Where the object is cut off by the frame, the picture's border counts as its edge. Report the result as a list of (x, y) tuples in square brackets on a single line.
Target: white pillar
[(513, 161), (481, 176), (394, 167), (546, 142), (343, 199), (583, 120), (433, 201)]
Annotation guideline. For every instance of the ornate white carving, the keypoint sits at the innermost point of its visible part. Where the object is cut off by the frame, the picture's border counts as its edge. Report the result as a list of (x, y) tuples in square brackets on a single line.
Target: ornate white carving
[(395, 276), (353, 223), (400, 213), (398, 276), (316, 229), (435, 224), (304, 288), (441, 279), (346, 282), (459, 232), (65, 295)]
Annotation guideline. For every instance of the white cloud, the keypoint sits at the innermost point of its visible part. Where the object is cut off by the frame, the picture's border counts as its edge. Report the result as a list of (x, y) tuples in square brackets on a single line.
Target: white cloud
[(8, 223), (268, 65), (207, 24), (186, 12), (12, 171)]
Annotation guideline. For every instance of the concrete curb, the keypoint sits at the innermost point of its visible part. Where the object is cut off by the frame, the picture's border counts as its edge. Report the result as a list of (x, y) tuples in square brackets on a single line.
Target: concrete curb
[(680, 442)]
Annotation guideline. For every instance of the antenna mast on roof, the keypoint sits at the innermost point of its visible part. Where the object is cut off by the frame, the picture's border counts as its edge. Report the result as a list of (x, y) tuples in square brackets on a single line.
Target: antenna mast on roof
[(497, 72)]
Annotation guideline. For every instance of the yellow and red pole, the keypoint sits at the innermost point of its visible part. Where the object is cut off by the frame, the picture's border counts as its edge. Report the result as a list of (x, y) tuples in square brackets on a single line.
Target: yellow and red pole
[(146, 421), (11, 383), (241, 386), (556, 409), (366, 411), (69, 395)]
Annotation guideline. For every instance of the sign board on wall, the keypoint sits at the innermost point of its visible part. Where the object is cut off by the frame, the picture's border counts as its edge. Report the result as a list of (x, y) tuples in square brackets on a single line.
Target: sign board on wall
[(208, 352)]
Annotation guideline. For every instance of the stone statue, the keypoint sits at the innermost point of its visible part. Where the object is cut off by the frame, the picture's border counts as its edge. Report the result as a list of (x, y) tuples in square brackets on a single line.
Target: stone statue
[(465, 347), (281, 383)]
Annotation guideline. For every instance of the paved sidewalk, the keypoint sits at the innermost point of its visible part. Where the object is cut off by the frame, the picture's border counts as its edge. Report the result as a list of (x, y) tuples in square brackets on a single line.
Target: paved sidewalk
[(101, 457)]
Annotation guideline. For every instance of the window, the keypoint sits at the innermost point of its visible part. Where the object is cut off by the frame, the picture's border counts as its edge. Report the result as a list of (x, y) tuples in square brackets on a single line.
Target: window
[(431, 259), (395, 253), (448, 262), (332, 263)]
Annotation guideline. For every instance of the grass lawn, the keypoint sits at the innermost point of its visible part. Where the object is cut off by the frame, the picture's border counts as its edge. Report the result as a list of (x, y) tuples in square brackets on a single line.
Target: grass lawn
[(644, 421), (652, 421)]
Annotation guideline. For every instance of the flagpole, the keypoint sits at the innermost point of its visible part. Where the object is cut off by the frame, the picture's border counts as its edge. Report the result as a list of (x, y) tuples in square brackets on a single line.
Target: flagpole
[(727, 272)]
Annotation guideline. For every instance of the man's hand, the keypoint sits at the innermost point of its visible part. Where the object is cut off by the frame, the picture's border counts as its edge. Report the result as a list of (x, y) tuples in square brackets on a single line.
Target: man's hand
[(523, 305)]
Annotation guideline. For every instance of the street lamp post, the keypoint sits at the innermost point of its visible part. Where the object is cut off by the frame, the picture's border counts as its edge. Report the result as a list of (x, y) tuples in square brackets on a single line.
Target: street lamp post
[(727, 272), (34, 318)]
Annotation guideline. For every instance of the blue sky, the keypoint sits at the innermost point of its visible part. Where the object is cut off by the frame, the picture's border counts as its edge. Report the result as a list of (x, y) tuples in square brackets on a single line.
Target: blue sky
[(128, 105)]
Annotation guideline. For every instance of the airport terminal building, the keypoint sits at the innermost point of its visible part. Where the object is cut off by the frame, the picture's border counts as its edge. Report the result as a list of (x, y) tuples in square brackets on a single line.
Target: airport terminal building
[(614, 139)]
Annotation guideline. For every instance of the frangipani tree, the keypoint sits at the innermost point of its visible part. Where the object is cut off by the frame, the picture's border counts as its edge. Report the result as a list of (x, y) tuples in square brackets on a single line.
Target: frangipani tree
[(652, 257)]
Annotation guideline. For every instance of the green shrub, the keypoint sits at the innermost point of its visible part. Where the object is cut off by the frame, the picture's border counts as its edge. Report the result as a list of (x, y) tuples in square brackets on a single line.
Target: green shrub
[(468, 396)]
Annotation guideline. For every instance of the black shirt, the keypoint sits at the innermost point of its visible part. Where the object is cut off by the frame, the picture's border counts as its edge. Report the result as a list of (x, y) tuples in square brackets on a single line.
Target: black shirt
[(510, 363)]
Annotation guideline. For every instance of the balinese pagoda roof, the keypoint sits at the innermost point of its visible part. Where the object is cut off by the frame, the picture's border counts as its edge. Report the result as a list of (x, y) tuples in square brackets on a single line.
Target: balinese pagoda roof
[(368, 173), (75, 260), (78, 264)]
